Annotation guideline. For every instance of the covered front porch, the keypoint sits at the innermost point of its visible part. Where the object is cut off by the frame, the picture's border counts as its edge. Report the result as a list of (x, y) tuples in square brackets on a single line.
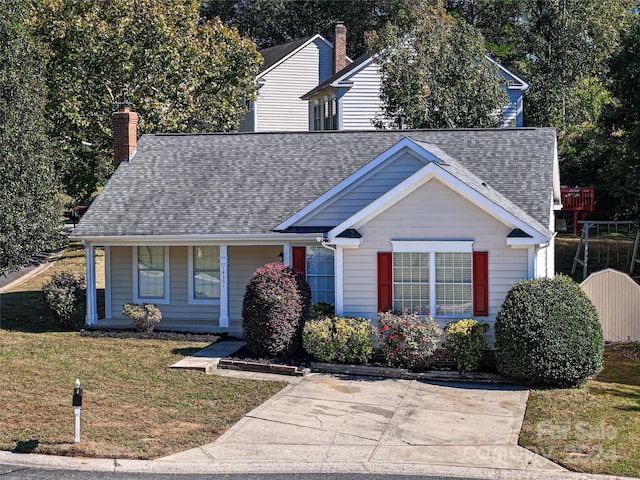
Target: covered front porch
[(198, 286)]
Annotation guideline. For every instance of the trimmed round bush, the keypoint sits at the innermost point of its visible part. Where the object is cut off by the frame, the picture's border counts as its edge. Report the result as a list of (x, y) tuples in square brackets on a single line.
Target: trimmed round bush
[(548, 332), (275, 306), (63, 295)]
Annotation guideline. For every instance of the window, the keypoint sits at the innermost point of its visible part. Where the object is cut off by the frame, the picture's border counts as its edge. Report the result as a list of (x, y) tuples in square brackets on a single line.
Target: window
[(317, 116), (204, 274), (454, 291), (330, 114), (320, 274), (411, 282), (433, 277), (152, 273)]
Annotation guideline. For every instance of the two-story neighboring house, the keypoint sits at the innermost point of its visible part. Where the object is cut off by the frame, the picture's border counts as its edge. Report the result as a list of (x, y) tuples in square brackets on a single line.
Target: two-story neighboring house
[(342, 95), (288, 72)]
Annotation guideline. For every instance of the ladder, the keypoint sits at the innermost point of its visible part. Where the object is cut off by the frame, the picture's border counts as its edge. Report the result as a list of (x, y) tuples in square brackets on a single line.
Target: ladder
[(584, 240)]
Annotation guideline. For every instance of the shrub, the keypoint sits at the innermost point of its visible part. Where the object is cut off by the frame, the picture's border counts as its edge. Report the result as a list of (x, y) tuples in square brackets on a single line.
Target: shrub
[(406, 339), (338, 339), (63, 295), (465, 341), (144, 316), (321, 310), (547, 331), (275, 307)]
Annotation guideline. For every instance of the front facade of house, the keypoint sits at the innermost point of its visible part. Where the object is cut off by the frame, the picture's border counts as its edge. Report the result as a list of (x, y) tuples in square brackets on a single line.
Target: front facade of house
[(439, 222)]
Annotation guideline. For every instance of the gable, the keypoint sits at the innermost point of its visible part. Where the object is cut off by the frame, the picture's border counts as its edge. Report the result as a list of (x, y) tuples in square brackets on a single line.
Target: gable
[(364, 190)]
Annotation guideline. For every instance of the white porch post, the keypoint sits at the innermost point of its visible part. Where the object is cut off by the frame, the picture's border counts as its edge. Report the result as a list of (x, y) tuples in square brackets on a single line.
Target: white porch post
[(286, 253), (224, 286), (338, 267), (92, 304)]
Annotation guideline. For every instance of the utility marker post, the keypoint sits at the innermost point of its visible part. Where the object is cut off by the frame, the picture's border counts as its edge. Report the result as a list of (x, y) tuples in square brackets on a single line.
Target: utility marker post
[(76, 402)]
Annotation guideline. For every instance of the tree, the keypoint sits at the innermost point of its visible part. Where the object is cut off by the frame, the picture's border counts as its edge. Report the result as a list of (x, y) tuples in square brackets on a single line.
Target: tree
[(29, 207), (434, 71), (273, 22), (182, 75)]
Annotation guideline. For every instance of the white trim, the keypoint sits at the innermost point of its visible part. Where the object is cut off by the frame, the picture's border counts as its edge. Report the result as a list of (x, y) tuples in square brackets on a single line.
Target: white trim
[(92, 307), (523, 241), (182, 240), (107, 282), (223, 322), (136, 297), (191, 300), (338, 271), (523, 85), (418, 179), (405, 143), (440, 246), (286, 253)]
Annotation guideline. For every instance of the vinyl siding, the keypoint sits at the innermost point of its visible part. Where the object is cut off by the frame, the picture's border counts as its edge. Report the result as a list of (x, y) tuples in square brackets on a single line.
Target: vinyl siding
[(279, 104), (366, 190), (243, 262), (433, 212), (513, 113), (361, 103), (179, 308)]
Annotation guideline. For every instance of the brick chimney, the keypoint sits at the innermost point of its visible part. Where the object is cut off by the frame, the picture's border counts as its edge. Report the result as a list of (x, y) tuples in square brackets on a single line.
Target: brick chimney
[(339, 47), (125, 133)]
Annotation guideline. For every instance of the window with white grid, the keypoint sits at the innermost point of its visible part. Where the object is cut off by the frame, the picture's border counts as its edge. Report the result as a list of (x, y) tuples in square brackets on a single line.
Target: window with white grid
[(454, 293), (411, 282), (320, 274), (433, 277)]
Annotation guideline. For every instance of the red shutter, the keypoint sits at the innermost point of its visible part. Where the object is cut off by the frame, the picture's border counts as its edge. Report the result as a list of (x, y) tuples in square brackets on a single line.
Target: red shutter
[(385, 281), (481, 284), (300, 259)]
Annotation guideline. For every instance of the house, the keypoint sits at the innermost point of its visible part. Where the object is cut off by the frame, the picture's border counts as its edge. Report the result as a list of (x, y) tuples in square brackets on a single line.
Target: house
[(288, 72), (351, 97), (435, 221), (342, 95)]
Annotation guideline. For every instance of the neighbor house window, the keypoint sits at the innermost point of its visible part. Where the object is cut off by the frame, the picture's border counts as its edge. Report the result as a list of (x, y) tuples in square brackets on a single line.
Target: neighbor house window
[(317, 116), (152, 273), (330, 114), (204, 274), (428, 280)]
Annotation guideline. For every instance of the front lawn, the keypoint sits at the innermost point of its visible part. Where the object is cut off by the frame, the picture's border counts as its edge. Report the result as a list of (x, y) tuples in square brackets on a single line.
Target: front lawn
[(134, 405), (593, 429)]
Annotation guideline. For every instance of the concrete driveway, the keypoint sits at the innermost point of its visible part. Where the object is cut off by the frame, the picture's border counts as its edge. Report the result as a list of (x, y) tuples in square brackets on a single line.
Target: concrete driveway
[(329, 422)]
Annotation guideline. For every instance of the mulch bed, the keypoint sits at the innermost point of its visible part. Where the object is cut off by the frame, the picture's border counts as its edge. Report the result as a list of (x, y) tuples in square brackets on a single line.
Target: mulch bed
[(155, 335)]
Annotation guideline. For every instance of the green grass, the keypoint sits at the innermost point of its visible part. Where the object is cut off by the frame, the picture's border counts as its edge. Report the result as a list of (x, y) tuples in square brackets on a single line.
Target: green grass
[(134, 405), (593, 429)]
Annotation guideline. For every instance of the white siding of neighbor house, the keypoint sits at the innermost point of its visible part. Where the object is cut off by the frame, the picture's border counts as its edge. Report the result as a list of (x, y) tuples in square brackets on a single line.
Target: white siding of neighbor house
[(361, 103), (279, 107), (179, 309), (243, 262), (367, 189), (433, 212)]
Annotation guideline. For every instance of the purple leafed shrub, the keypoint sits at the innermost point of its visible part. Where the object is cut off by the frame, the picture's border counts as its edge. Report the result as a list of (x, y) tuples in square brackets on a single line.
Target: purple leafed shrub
[(275, 307)]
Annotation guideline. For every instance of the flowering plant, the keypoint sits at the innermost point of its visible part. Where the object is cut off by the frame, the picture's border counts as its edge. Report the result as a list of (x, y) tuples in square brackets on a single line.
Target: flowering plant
[(407, 339)]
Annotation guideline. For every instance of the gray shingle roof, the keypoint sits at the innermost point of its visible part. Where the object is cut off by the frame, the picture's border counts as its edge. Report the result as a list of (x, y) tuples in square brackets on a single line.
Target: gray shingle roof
[(233, 184), (273, 55)]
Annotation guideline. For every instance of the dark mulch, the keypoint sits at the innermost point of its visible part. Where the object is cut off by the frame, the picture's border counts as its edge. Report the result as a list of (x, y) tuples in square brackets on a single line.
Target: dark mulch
[(155, 335)]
